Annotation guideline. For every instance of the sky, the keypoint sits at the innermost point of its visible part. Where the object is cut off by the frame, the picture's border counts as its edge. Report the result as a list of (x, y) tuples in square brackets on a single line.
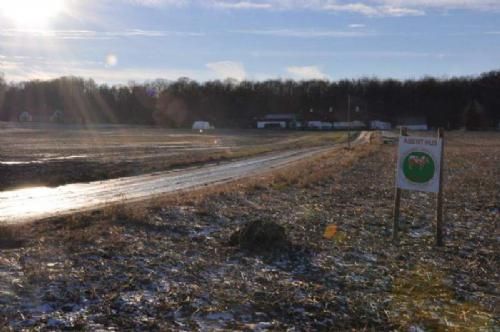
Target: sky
[(118, 41)]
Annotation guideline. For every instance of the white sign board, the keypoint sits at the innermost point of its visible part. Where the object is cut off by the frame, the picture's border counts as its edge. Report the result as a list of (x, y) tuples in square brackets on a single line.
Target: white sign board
[(419, 163)]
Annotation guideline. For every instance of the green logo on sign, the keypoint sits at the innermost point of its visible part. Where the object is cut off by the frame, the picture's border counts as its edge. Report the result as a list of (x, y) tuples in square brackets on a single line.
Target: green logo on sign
[(419, 167)]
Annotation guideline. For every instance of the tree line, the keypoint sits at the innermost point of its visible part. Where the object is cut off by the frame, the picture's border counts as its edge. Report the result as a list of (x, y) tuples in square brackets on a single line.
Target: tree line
[(473, 102)]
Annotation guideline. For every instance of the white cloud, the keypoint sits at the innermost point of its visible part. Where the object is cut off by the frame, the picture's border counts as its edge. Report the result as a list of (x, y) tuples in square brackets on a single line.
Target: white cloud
[(9, 65), (100, 74), (400, 11), (158, 3), (362, 7), (359, 8), (443, 4), (228, 69), (340, 54), (307, 33), (370, 10), (356, 26), (23, 68), (307, 73), (243, 5), (90, 34)]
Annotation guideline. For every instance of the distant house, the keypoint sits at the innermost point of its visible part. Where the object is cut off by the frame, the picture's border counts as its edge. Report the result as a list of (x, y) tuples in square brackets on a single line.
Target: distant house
[(344, 125), (279, 121), (25, 117), (413, 122), (57, 116), (380, 125), (202, 125)]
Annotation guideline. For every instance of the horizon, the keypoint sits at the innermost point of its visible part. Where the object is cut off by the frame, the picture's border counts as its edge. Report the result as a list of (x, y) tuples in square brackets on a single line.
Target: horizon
[(115, 42), (255, 81)]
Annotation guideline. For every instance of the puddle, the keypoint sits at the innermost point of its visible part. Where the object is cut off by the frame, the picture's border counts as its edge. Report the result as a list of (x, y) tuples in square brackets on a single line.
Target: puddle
[(43, 160)]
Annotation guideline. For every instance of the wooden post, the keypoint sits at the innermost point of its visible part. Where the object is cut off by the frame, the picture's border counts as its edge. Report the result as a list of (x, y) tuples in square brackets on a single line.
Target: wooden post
[(397, 199), (439, 200)]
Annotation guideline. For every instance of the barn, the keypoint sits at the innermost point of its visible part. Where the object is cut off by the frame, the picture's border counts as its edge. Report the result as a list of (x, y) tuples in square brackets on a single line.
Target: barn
[(380, 125), (279, 121)]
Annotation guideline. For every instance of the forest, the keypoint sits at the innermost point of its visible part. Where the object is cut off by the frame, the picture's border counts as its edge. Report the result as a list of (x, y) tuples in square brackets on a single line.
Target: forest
[(471, 102)]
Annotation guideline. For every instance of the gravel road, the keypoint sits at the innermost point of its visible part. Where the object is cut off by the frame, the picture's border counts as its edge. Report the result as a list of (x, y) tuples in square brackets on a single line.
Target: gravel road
[(30, 204)]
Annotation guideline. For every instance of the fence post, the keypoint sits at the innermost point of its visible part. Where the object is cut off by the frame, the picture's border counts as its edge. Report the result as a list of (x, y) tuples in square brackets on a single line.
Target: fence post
[(439, 201), (397, 198)]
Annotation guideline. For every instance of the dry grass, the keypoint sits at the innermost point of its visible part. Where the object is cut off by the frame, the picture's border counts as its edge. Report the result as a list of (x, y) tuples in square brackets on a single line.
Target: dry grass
[(355, 281)]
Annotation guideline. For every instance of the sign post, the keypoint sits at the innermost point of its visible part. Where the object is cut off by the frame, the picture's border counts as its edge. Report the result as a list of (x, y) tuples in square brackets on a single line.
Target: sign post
[(397, 201), (439, 200), (419, 168)]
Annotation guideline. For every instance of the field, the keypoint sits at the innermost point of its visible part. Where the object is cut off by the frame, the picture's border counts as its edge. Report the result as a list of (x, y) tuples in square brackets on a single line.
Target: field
[(171, 263), (53, 155)]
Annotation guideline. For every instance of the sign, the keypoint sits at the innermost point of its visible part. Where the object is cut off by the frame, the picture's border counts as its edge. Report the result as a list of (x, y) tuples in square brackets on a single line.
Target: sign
[(419, 163)]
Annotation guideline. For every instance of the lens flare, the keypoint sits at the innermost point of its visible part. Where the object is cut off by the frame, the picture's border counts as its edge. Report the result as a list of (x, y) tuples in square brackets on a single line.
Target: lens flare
[(111, 60)]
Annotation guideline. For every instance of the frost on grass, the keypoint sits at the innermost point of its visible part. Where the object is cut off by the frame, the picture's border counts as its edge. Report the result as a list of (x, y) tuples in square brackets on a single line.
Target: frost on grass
[(170, 268)]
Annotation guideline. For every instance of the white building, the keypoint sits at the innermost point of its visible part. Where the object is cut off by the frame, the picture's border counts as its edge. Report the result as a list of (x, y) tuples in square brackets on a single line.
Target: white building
[(280, 121), (380, 125), (344, 125), (268, 124), (319, 125), (202, 125)]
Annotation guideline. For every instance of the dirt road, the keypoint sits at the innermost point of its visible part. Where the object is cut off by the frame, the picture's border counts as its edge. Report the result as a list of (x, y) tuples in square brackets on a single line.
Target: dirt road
[(31, 204)]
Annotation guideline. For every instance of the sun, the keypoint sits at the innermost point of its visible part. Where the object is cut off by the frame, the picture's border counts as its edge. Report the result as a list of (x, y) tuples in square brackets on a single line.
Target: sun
[(31, 13)]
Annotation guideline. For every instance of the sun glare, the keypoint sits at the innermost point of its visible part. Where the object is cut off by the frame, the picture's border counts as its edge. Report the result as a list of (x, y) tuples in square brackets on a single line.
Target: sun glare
[(31, 13)]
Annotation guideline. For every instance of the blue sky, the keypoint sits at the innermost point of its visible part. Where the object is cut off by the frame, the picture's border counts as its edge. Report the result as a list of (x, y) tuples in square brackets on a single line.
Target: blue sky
[(116, 41)]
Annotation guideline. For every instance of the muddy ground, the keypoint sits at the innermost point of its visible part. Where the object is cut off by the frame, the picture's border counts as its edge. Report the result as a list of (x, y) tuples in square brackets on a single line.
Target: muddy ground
[(167, 264), (52, 155)]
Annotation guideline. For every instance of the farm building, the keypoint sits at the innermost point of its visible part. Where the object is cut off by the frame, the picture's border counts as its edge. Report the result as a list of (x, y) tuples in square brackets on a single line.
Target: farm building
[(25, 117), (344, 125), (380, 125), (413, 123), (202, 125), (279, 121), (319, 125), (57, 116)]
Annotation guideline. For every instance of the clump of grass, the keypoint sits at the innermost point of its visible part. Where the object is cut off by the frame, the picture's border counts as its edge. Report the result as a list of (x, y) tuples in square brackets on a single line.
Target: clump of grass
[(260, 236), (11, 237), (127, 214)]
